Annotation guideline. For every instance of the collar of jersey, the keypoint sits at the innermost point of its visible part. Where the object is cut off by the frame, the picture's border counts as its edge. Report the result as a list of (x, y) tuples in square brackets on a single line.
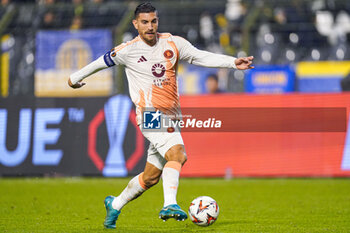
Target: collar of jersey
[(144, 44)]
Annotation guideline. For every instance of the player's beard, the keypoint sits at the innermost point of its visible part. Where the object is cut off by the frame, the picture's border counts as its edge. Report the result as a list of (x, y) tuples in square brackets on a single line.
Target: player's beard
[(150, 38)]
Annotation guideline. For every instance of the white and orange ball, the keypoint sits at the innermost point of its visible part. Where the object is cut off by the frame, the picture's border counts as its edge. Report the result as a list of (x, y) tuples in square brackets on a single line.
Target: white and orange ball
[(203, 211)]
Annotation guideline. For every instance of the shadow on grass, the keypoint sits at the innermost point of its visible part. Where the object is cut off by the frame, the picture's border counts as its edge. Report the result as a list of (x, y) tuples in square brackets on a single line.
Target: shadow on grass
[(220, 226)]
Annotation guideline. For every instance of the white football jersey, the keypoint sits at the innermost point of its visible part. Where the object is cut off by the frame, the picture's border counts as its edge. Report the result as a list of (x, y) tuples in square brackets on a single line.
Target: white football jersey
[(151, 70)]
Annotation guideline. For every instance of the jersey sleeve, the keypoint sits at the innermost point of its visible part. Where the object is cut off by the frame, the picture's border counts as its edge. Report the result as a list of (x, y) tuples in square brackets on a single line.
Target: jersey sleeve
[(93, 67), (111, 58), (116, 56), (192, 55)]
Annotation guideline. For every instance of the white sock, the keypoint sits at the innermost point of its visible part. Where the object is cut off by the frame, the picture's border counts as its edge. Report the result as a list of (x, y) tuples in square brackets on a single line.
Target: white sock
[(135, 188), (171, 174)]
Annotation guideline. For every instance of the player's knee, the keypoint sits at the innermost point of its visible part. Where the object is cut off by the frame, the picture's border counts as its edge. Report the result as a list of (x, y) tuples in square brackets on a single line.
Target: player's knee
[(182, 158), (150, 180), (176, 153)]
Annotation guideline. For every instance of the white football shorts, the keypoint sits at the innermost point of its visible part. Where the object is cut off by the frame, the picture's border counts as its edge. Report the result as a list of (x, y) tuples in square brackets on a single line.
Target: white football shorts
[(160, 143)]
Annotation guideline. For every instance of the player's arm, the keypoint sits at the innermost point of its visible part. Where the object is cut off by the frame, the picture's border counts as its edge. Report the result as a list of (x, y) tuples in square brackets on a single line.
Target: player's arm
[(207, 59), (103, 62), (75, 80)]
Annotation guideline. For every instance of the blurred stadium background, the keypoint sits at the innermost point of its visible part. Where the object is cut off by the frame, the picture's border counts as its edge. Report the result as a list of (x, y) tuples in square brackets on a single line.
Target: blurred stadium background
[(302, 58)]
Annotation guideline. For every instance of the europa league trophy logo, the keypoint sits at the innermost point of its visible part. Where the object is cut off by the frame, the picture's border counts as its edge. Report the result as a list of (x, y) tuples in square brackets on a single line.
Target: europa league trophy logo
[(117, 111)]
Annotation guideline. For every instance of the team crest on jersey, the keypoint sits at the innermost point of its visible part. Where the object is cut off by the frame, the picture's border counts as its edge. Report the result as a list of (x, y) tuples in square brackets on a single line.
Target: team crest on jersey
[(168, 54), (158, 70)]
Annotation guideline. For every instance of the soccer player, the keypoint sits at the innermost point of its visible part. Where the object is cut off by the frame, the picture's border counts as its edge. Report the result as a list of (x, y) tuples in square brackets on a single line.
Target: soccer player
[(150, 62)]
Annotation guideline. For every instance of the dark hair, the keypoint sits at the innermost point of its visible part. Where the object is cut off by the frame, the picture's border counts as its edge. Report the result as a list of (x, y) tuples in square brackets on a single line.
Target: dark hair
[(213, 76), (145, 7)]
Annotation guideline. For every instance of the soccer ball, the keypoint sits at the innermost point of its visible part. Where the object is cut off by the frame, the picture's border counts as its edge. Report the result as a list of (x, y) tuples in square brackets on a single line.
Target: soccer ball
[(203, 211)]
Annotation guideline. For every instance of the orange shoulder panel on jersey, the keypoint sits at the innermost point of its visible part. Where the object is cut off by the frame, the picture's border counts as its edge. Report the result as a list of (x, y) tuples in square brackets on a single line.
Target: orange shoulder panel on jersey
[(120, 47), (164, 35)]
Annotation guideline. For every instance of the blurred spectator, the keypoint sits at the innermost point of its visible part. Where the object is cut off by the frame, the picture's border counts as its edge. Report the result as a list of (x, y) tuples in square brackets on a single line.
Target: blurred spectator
[(77, 23), (3, 6), (48, 20), (206, 28), (46, 17), (280, 15), (334, 28), (4, 2), (79, 7), (212, 84), (224, 34), (234, 10), (280, 19)]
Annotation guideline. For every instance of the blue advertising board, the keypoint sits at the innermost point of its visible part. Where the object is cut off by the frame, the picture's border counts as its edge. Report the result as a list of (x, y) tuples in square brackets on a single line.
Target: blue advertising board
[(322, 76), (270, 79)]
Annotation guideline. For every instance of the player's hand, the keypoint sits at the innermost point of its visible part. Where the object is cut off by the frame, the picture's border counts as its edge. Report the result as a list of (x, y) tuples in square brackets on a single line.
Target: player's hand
[(244, 63), (77, 85)]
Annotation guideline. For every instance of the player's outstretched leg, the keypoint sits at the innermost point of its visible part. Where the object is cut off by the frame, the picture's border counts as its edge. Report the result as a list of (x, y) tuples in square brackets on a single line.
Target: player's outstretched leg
[(171, 174), (113, 205)]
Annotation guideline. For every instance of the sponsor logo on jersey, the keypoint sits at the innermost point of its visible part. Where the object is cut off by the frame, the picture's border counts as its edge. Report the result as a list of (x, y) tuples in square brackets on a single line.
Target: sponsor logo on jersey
[(168, 54), (142, 59), (161, 82), (158, 70)]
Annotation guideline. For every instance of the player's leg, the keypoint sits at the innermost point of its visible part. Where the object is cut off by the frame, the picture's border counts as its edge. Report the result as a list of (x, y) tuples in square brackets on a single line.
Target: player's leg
[(134, 189), (168, 154), (140, 183), (175, 158)]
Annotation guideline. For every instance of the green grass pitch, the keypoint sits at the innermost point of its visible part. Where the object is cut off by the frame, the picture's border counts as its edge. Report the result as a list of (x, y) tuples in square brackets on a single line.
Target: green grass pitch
[(246, 205)]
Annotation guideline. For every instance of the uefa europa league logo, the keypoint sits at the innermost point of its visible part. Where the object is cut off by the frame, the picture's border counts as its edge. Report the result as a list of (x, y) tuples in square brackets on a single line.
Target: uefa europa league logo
[(117, 111)]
